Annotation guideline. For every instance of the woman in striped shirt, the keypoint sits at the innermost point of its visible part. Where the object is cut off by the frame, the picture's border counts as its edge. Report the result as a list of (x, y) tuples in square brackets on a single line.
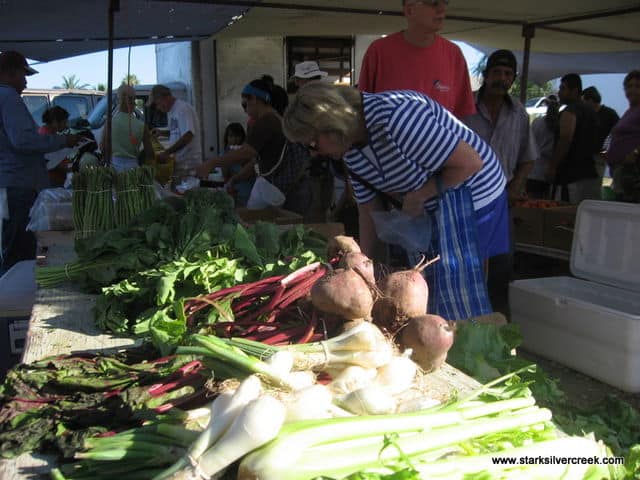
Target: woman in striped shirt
[(399, 142)]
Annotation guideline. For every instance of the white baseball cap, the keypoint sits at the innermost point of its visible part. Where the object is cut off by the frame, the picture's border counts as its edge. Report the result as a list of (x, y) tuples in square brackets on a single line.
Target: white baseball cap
[(308, 70)]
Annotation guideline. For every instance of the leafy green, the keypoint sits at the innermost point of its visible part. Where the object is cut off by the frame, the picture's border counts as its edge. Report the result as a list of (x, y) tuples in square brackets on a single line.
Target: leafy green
[(483, 351)]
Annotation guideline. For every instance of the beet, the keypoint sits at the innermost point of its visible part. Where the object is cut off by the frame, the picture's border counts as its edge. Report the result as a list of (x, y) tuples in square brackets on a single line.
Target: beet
[(359, 262), (343, 292), (430, 337), (341, 245), (403, 295)]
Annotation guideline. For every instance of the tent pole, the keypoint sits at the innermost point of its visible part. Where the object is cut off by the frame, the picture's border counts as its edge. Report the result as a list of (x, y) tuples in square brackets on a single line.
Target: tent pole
[(114, 6), (528, 32)]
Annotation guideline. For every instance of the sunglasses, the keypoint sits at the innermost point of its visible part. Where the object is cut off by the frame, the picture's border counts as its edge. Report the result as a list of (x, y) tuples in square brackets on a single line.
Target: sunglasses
[(312, 146)]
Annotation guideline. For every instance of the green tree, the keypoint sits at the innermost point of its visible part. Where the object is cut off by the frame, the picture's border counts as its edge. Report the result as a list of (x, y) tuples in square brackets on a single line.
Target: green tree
[(533, 89), (130, 79), (72, 82), (101, 87)]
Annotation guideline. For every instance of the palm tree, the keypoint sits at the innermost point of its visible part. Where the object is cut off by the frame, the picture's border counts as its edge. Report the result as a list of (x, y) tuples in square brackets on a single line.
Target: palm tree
[(72, 82), (101, 87), (131, 79)]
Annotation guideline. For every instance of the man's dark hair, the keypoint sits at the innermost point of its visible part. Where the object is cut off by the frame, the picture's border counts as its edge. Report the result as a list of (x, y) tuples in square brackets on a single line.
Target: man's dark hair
[(633, 74), (592, 93), (573, 81)]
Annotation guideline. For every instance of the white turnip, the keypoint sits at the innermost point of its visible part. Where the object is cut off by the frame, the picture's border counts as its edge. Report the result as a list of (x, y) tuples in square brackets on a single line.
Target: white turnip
[(340, 245), (430, 337), (403, 295), (343, 292)]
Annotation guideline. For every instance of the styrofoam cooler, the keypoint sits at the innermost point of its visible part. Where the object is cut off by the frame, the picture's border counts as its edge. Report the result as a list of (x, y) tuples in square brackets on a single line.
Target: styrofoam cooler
[(590, 323)]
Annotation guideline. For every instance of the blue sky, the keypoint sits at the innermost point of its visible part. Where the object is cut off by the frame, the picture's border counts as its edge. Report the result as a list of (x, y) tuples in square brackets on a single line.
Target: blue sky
[(92, 69)]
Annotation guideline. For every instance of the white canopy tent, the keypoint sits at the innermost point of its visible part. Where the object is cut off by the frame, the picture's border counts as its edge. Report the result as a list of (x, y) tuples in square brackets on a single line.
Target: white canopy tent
[(586, 36)]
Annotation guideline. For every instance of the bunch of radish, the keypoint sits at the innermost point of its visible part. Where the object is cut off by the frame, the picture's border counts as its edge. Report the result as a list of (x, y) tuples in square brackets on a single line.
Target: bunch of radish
[(397, 303)]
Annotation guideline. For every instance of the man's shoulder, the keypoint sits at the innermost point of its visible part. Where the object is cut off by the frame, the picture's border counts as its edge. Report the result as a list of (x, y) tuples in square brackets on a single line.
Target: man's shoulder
[(391, 41)]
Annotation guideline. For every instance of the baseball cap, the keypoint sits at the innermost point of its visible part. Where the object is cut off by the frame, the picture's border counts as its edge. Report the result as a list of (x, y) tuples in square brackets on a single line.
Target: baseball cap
[(502, 58), (308, 69), (158, 91), (12, 60)]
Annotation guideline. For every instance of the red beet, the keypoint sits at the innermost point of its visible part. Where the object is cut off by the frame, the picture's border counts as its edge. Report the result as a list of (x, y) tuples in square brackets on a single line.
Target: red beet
[(430, 337)]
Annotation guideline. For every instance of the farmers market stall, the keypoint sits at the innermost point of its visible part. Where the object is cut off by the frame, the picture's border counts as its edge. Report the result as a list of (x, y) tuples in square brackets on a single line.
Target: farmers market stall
[(62, 322)]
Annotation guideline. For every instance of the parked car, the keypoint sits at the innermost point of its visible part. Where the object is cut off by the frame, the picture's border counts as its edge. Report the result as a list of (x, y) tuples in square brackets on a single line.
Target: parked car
[(155, 119), (78, 102), (536, 107)]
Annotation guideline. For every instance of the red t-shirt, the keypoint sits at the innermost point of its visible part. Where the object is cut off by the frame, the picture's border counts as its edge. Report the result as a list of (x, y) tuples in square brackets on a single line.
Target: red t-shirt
[(439, 71)]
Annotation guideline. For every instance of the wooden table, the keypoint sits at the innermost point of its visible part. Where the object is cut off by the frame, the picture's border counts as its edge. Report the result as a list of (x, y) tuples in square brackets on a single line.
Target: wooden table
[(62, 322)]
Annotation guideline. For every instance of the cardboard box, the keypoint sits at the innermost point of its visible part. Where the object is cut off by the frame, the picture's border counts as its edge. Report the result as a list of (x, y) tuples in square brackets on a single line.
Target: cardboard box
[(527, 225), (276, 215), (559, 223), (327, 230)]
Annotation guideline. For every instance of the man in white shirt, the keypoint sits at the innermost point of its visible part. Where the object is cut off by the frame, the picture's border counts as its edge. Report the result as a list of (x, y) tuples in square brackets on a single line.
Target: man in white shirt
[(184, 131)]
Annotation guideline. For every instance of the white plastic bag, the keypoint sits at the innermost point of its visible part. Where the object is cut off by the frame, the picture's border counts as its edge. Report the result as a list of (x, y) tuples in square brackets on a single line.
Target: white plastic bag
[(396, 227), (265, 194), (52, 210)]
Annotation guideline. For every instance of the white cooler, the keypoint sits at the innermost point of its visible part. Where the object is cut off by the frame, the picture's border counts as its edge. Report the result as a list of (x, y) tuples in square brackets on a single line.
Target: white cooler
[(590, 323), (17, 295)]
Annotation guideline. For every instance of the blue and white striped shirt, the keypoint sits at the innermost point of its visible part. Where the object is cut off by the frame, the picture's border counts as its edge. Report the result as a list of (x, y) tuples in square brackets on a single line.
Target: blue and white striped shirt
[(410, 139)]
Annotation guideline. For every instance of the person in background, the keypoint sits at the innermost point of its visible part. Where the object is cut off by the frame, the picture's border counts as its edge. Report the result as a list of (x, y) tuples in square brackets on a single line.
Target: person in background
[(129, 133), (572, 166), (370, 132), (54, 121), (545, 133), (503, 123), (265, 146), (607, 118), (322, 177), (23, 170), (306, 72), (234, 138), (419, 59), (184, 132), (625, 136)]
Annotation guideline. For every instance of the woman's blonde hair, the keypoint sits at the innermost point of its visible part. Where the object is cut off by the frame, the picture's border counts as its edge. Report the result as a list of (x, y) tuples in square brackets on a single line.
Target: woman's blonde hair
[(320, 107), (126, 96)]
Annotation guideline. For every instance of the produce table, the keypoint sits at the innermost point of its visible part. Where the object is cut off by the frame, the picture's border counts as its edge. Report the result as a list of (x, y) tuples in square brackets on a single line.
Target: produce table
[(62, 322)]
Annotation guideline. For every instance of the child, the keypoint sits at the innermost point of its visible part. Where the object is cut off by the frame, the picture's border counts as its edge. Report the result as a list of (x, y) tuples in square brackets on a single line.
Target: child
[(54, 121), (234, 137)]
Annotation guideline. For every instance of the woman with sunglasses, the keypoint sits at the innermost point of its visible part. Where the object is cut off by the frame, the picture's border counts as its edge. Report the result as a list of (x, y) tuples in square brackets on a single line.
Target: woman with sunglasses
[(286, 168), (403, 143)]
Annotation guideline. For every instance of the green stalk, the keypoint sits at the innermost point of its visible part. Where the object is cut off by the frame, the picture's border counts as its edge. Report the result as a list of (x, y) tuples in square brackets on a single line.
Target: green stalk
[(292, 456)]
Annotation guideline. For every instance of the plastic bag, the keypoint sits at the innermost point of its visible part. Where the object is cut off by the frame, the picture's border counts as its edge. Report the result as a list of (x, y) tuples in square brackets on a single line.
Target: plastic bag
[(52, 210), (396, 227), (265, 194)]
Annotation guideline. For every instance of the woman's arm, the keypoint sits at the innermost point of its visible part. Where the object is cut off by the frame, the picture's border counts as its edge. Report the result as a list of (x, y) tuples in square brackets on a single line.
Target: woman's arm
[(246, 172), (463, 162), (147, 145), (243, 154)]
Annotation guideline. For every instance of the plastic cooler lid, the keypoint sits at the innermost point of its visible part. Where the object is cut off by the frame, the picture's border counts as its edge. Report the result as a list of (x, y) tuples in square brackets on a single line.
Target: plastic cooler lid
[(606, 244), (18, 289)]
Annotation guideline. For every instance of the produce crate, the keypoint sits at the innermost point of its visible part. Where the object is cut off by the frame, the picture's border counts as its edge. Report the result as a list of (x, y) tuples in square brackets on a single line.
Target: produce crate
[(559, 223), (276, 215), (327, 230), (527, 225)]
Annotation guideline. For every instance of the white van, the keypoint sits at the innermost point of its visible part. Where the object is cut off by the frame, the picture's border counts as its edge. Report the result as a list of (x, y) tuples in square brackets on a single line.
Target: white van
[(78, 102), (152, 117)]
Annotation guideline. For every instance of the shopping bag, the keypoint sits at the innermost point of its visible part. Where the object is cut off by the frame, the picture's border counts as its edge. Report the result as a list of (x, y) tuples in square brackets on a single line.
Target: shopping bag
[(397, 228), (265, 194), (457, 287)]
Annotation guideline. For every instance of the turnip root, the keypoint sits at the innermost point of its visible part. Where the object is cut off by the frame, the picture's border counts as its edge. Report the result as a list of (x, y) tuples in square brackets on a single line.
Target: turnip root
[(430, 337), (340, 245), (404, 295), (343, 292), (359, 262)]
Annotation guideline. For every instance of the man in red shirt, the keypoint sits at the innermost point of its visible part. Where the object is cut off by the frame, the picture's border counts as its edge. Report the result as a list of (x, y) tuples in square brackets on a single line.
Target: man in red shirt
[(419, 59)]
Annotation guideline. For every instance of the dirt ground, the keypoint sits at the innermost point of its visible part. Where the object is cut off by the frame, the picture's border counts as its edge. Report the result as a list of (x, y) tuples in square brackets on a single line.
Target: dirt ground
[(580, 389)]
